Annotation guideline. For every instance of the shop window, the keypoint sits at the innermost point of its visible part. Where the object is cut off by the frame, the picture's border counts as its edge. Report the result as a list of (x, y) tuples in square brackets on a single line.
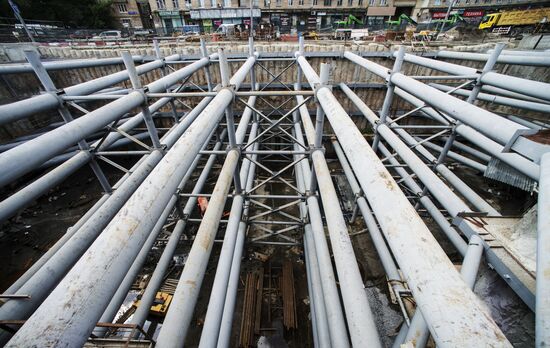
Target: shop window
[(161, 4)]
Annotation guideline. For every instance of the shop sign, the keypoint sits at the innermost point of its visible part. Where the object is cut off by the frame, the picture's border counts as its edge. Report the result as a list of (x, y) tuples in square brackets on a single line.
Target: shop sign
[(169, 13), (473, 13)]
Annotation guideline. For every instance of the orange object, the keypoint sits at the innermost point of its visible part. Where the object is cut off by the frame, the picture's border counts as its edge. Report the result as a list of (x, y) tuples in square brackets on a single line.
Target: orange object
[(203, 204)]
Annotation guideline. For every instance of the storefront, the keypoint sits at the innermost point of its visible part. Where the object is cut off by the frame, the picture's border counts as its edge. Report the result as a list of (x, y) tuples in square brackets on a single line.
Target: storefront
[(171, 21), (470, 16)]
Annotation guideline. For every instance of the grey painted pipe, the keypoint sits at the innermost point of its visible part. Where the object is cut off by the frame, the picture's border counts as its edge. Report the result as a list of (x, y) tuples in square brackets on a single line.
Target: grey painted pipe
[(444, 298), (359, 317), (516, 103), (166, 257), (138, 173), (378, 240), (418, 332), (86, 230), (432, 182), (337, 327), (22, 198), (542, 323), (57, 140), (312, 312), (457, 157), (234, 276), (104, 264), (20, 109), (515, 160), (451, 233), (318, 308), (528, 87), (214, 313), (531, 60), (468, 149), (63, 64)]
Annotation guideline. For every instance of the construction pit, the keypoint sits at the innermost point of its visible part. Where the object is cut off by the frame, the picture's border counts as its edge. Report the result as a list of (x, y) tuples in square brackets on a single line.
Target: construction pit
[(275, 195)]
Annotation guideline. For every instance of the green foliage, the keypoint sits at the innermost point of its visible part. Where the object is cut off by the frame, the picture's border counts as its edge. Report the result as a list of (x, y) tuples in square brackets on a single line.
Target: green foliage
[(73, 13)]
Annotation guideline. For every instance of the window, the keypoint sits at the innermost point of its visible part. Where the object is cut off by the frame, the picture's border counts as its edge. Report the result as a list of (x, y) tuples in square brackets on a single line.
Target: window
[(226, 3), (301, 2), (175, 4), (161, 4), (289, 2), (122, 8), (339, 2), (383, 2), (328, 3), (372, 2), (278, 3), (266, 3), (350, 2), (360, 3), (314, 2)]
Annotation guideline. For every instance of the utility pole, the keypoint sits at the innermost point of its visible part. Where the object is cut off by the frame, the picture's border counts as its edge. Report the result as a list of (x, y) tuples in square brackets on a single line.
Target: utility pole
[(20, 19)]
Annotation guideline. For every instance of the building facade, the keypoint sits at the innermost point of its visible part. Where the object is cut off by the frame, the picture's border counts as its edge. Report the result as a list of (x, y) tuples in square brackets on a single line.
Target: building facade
[(133, 14), (472, 11), (287, 16)]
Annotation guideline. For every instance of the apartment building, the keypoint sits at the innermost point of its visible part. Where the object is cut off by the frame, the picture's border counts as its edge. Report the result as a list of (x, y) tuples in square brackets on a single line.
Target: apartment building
[(287, 16), (133, 14), (472, 11)]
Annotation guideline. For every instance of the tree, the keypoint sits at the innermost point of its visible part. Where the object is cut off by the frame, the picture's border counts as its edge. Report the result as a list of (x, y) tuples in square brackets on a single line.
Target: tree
[(77, 14)]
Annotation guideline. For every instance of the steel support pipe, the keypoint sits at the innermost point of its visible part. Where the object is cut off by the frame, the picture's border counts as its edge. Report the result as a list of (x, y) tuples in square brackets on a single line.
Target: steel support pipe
[(24, 108), (494, 126), (226, 324), (20, 68), (453, 155), (48, 145), (496, 99), (432, 182), (542, 312), (86, 231), (531, 60), (23, 197), (418, 332), (102, 268), (337, 327), (516, 84), (168, 252), (452, 310), (180, 312), (454, 237), (318, 308), (384, 253), (214, 313), (438, 189), (359, 317), (496, 150)]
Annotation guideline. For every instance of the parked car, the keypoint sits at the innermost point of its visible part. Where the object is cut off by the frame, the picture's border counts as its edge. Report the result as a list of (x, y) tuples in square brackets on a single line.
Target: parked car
[(141, 34), (109, 35)]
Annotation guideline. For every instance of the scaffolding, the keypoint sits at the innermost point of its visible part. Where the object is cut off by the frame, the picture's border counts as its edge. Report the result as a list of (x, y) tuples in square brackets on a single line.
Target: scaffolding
[(71, 295)]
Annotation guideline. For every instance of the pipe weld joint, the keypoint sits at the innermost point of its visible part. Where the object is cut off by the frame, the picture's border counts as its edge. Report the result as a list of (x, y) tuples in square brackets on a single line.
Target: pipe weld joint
[(309, 193), (313, 149)]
